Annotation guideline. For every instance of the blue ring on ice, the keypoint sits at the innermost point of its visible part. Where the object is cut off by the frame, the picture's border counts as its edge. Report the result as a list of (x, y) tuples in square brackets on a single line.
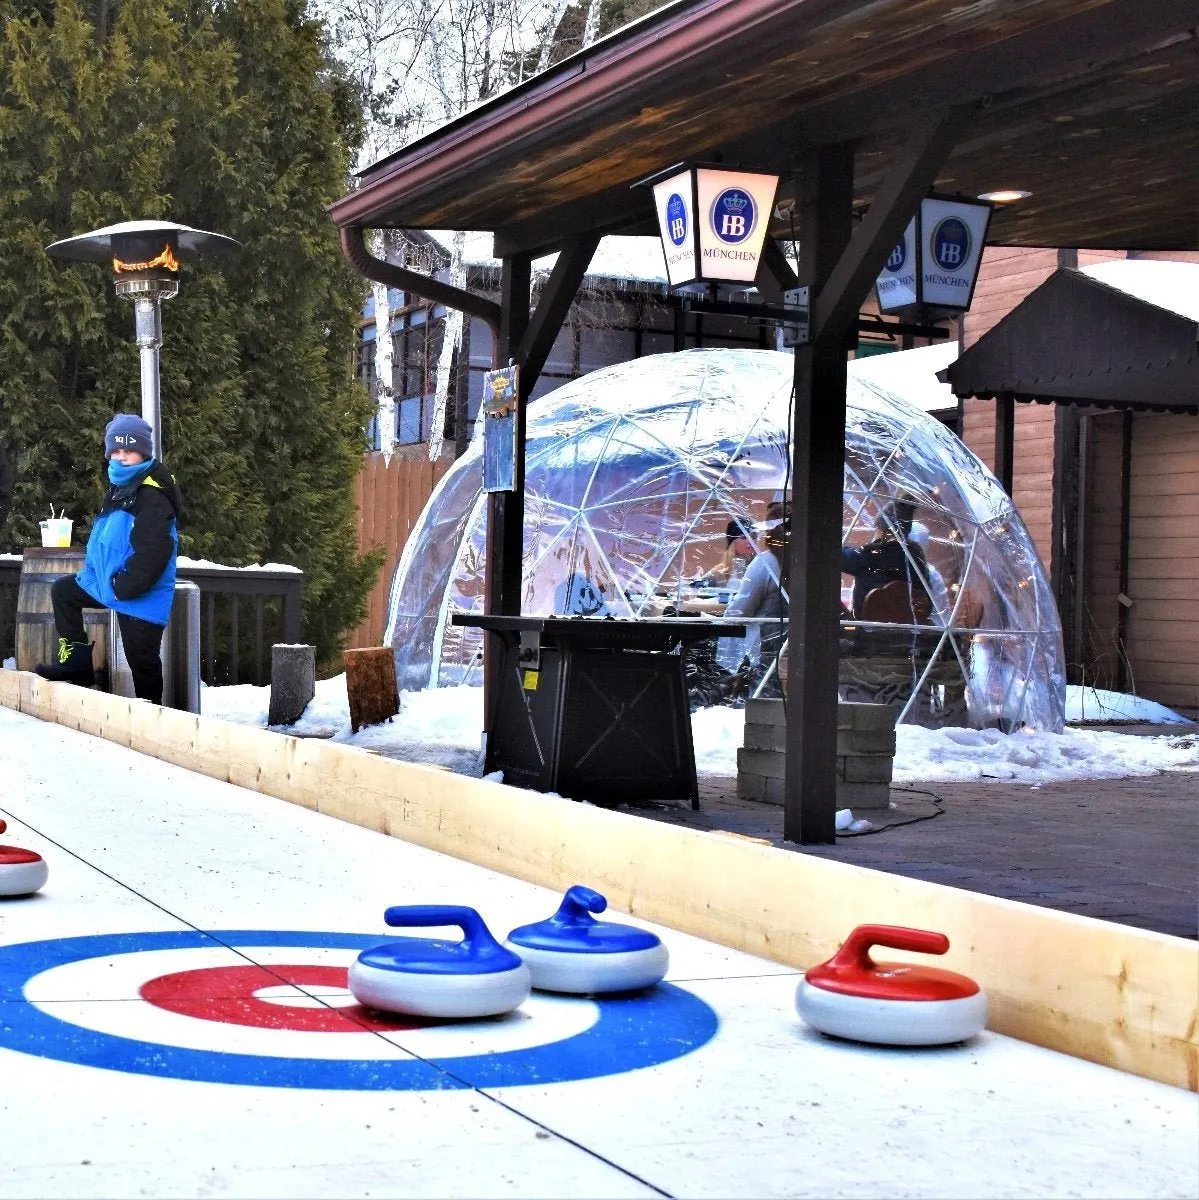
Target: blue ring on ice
[(634, 1031)]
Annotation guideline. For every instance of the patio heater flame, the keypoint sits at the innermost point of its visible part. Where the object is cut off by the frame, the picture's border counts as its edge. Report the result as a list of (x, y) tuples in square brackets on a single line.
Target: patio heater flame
[(145, 258), (166, 259)]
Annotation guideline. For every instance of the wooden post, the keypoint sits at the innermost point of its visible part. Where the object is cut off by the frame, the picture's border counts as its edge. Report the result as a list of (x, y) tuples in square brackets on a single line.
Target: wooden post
[(1005, 440), (838, 270), (293, 682), (814, 565), (371, 685), (506, 510)]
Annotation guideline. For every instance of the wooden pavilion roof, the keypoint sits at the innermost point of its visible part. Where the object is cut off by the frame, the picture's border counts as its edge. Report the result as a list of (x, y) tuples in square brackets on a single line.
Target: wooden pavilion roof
[(1077, 340), (1092, 105)]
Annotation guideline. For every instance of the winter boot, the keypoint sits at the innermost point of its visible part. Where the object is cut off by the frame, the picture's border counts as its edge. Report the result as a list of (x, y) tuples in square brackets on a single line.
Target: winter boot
[(74, 664)]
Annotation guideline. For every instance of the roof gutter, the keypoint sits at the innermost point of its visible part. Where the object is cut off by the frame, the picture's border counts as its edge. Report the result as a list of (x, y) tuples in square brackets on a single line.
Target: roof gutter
[(353, 246)]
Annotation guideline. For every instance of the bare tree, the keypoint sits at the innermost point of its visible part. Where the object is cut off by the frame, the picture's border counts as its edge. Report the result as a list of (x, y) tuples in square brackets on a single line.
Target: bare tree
[(547, 45), (418, 64), (591, 27)]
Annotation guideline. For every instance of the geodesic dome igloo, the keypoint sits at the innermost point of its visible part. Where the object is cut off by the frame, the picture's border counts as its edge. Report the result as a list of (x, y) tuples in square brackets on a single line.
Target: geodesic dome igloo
[(633, 473)]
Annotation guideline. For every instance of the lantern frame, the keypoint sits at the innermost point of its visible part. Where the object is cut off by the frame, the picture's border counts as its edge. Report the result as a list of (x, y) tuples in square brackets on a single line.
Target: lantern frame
[(689, 198), (958, 218)]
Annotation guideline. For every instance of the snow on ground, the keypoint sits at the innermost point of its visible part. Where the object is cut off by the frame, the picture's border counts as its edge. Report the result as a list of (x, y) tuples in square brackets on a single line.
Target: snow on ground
[(444, 726), (1098, 704)]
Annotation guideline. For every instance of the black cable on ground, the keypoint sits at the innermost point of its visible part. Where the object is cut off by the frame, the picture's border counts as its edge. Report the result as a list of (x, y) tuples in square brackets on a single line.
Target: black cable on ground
[(938, 806)]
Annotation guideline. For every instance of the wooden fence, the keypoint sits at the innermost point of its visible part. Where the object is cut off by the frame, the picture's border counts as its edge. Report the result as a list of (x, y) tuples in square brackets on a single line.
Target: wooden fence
[(390, 497)]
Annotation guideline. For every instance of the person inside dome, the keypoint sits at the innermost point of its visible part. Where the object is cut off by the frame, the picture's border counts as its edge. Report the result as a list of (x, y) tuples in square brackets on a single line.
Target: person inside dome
[(938, 592), (892, 555), (761, 594), (738, 554)]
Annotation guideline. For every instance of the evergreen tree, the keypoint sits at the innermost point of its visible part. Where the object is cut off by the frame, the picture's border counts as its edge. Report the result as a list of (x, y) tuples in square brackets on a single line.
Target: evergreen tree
[(229, 116)]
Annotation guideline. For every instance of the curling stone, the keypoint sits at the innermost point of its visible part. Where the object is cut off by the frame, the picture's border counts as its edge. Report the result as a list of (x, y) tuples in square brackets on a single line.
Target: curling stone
[(423, 977), (573, 952), (22, 872), (893, 1004)]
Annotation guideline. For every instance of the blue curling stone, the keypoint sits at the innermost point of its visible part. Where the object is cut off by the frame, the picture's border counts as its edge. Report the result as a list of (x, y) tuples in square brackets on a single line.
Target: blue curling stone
[(573, 952), (427, 977)]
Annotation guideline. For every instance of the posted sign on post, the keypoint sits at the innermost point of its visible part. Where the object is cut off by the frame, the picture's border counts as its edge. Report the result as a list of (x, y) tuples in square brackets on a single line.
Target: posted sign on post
[(501, 395)]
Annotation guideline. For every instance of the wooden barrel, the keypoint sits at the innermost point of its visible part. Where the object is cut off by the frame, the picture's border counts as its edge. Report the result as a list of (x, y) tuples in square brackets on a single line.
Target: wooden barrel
[(37, 639)]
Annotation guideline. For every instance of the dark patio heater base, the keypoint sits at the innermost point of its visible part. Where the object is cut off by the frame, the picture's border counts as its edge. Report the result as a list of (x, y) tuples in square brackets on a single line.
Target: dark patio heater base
[(594, 709)]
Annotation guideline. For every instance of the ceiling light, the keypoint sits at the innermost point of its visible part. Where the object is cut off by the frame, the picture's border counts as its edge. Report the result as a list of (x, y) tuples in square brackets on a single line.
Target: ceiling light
[(1005, 196)]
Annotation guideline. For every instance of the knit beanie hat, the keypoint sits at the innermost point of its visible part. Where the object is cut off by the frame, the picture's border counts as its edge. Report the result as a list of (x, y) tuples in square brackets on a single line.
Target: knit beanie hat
[(126, 431)]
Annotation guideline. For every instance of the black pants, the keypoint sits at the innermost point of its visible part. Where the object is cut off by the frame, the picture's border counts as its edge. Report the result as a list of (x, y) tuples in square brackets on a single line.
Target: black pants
[(142, 639)]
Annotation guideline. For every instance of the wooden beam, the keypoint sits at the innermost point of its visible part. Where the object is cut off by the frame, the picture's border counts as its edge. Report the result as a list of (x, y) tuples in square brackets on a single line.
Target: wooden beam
[(775, 274), (932, 137), (1064, 510), (504, 553), (1005, 441), (825, 211), (1107, 993), (618, 210), (553, 305)]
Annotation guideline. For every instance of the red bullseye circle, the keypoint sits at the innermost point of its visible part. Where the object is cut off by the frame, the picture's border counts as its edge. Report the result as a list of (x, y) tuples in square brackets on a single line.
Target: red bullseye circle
[(227, 994)]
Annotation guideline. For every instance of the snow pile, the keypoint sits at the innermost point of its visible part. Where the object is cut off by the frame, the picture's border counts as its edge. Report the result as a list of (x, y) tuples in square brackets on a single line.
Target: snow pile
[(924, 755), (443, 726), (1098, 704)]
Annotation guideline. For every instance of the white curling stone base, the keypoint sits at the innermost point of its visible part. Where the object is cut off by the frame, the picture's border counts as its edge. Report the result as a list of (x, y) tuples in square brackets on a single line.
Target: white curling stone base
[(20, 879), (416, 995), (577, 973), (891, 1022)]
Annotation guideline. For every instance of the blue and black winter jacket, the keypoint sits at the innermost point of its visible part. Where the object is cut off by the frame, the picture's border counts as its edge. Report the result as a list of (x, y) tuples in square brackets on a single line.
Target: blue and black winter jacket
[(130, 563)]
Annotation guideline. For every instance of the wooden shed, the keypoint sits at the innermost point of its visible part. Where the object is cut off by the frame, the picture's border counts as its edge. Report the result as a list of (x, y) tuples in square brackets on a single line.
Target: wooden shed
[(1107, 474)]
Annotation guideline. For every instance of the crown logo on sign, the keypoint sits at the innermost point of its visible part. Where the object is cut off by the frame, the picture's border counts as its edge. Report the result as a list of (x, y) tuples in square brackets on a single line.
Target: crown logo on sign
[(735, 203)]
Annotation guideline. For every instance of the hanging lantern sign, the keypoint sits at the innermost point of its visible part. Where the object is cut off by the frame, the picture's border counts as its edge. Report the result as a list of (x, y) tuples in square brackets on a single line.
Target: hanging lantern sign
[(935, 264), (712, 223)]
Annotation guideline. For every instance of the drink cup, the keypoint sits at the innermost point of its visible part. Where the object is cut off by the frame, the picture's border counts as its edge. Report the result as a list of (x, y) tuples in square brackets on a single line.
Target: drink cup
[(57, 532)]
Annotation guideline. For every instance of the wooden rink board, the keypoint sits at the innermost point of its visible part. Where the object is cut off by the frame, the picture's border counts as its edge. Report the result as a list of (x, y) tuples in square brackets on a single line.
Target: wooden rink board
[(1123, 997)]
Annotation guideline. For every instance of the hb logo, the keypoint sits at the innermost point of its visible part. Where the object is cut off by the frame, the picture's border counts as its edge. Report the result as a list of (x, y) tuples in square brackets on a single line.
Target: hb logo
[(733, 215), (676, 219), (951, 244)]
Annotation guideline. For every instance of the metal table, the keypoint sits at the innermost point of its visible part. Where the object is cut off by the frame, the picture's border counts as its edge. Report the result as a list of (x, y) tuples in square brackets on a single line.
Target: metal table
[(594, 708)]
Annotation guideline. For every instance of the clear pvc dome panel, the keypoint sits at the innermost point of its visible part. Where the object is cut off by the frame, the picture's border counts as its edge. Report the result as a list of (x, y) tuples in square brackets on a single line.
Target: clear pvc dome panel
[(633, 475)]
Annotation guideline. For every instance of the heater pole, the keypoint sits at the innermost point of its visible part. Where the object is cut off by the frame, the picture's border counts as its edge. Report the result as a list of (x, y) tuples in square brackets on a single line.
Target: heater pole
[(147, 329)]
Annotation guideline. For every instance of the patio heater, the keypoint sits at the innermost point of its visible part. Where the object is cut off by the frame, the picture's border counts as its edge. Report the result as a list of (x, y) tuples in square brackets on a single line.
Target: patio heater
[(145, 258)]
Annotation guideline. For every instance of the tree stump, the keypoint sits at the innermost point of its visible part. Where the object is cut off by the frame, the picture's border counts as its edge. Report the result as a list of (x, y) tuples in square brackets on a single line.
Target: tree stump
[(371, 686), (293, 683)]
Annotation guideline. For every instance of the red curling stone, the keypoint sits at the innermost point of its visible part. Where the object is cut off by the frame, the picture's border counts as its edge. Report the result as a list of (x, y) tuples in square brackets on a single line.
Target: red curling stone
[(22, 872), (891, 1004)]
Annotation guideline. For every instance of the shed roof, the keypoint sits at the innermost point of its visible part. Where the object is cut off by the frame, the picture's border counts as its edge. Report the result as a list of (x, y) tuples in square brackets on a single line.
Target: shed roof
[(1092, 107), (1079, 339)]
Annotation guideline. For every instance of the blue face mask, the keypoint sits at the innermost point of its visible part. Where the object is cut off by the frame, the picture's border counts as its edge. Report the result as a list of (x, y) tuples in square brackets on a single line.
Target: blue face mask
[(119, 474)]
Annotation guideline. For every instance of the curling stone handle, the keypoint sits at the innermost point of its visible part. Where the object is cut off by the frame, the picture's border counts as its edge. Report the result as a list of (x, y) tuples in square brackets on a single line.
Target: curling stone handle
[(579, 901), (416, 916), (856, 951), (3, 826)]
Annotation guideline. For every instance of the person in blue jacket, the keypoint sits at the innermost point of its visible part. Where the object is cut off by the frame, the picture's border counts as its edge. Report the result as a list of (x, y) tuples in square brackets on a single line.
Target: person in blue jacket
[(130, 563)]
